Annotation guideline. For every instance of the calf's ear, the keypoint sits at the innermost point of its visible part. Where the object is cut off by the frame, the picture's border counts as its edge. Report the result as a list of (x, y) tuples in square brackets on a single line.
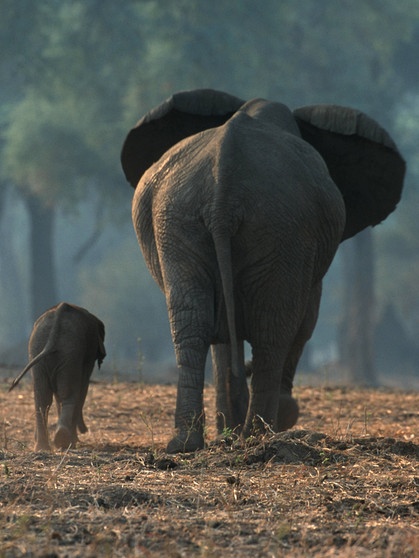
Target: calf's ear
[(362, 159)]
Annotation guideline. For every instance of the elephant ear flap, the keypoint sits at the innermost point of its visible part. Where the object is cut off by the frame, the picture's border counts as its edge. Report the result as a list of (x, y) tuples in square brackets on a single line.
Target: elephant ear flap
[(184, 114), (362, 159)]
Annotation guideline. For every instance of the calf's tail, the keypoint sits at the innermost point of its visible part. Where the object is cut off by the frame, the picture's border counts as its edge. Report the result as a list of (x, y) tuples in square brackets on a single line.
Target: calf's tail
[(49, 347)]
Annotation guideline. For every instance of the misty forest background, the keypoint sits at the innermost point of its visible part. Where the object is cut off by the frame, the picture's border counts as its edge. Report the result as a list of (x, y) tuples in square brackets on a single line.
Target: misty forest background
[(76, 75)]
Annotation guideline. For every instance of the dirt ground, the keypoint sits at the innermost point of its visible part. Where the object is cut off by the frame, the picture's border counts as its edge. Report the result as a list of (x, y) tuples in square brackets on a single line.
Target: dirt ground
[(343, 483)]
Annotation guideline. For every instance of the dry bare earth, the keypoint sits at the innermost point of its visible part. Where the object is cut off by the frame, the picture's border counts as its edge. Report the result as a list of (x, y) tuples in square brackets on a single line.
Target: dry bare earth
[(347, 485)]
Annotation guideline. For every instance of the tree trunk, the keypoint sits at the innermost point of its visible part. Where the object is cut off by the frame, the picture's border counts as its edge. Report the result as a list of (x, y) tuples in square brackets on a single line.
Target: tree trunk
[(357, 329), (13, 287), (42, 280)]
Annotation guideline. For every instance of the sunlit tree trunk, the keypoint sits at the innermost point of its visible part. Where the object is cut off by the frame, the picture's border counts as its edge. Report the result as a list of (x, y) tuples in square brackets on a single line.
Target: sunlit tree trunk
[(357, 329), (42, 280)]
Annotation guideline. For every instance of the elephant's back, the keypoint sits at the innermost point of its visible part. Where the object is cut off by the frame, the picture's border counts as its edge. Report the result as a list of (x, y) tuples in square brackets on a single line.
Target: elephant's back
[(64, 326), (281, 183), (40, 333)]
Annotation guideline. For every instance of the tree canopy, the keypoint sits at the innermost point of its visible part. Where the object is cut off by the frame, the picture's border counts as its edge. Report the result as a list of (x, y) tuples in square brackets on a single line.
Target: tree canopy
[(77, 74)]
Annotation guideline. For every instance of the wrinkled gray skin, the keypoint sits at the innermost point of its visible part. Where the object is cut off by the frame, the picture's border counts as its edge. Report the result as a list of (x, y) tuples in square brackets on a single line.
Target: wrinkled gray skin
[(238, 224), (64, 345)]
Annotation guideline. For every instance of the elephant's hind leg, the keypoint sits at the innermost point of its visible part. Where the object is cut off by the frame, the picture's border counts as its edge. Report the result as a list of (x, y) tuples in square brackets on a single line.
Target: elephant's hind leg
[(288, 410), (189, 414), (191, 319), (43, 400), (68, 393), (232, 394), (65, 434), (78, 418), (264, 389)]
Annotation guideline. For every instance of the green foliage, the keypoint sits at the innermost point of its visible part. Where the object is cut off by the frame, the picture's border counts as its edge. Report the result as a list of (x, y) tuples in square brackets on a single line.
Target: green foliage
[(77, 74), (55, 156)]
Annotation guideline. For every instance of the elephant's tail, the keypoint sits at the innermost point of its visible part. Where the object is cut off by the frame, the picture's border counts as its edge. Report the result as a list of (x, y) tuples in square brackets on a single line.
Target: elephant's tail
[(223, 252), (49, 347)]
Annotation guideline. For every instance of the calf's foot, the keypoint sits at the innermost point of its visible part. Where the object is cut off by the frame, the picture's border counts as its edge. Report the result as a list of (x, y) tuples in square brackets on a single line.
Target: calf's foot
[(42, 446), (63, 438)]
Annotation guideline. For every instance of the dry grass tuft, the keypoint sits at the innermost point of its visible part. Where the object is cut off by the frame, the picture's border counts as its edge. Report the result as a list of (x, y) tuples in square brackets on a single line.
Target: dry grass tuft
[(344, 483)]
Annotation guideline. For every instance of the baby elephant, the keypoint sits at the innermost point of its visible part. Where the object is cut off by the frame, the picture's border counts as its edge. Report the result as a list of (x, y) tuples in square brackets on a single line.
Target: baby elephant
[(64, 345)]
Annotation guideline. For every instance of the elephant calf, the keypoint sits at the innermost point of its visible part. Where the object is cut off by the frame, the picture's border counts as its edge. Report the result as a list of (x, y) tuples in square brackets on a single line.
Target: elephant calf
[(64, 345)]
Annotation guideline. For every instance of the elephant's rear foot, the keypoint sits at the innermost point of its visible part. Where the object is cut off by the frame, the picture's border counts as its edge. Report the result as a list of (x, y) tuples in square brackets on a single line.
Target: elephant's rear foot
[(285, 417), (185, 442), (288, 412), (64, 438)]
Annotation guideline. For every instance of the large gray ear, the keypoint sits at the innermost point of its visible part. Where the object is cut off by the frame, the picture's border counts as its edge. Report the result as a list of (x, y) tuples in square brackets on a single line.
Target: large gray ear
[(181, 115), (362, 159)]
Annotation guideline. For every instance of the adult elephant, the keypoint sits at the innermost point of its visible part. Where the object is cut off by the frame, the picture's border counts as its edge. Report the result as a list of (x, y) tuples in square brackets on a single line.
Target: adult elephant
[(239, 208)]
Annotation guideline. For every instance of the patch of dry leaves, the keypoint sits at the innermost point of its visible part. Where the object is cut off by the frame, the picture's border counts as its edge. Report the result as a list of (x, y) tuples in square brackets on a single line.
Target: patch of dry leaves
[(343, 483)]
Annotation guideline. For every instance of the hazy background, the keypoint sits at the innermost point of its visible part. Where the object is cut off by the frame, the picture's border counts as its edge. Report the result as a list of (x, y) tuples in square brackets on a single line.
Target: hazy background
[(77, 75)]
